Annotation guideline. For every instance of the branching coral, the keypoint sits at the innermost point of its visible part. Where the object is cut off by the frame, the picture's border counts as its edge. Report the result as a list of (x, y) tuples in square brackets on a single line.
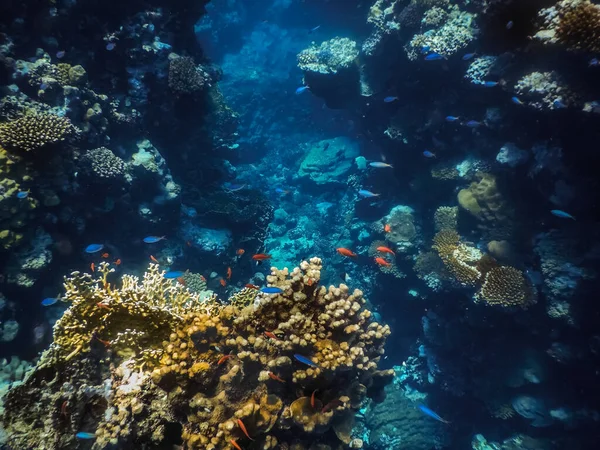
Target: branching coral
[(102, 165), (35, 130), (202, 372), (572, 23), (185, 77)]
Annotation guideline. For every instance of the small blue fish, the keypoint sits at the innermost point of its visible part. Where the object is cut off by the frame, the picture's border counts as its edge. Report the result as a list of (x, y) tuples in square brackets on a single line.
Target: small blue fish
[(85, 435), (153, 239), (93, 248), (60, 54), (234, 187), (468, 56), (380, 165), (271, 290), (562, 214), (301, 89), (23, 194), (490, 83), (558, 104), (517, 101), (432, 414), (425, 49), (281, 191), (49, 301), (110, 46), (312, 30), (473, 124), (173, 274), (44, 86), (434, 57), (452, 118), (367, 194), (428, 154), (305, 360), (509, 25), (390, 99), (594, 62)]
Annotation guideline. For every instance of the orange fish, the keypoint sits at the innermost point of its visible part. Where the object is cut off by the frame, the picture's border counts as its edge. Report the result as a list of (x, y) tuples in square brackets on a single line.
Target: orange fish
[(182, 281), (382, 262), (102, 305), (275, 377), (223, 359), (105, 255), (252, 286), (332, 404), (312, 398), (240, 251), (243, 427), (235, 444), (63, 408), (345, 252), (310, 282), (229, 273), (387, 228), (261, 257), (223, 282), (153, 259), (202, 278), (383, 249), (271, 335), (118, 262), (105, 343), (93, 267)]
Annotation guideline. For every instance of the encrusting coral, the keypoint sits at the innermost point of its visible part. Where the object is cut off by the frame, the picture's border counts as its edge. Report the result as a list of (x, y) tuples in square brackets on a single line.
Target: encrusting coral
[(148, 363)]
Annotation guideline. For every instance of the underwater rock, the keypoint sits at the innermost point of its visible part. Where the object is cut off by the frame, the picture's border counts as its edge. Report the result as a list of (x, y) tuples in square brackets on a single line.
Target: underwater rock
[(208, 240), (511, 155), (532, 408), (328, 163), (331, 71)]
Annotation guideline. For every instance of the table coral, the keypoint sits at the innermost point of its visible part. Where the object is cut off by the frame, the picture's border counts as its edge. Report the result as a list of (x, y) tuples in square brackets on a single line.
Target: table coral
[(35, 130), (148, 362), (507, 287)]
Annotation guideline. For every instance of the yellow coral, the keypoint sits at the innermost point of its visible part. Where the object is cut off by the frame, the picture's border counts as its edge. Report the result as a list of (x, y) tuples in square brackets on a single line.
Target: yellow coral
[(579, 27), (206, 366), (35, 130)]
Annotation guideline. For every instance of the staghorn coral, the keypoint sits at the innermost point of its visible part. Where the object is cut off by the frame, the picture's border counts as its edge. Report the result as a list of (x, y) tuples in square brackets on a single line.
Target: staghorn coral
[(185, 77), (143, 364), (575, 24), (35, 130)]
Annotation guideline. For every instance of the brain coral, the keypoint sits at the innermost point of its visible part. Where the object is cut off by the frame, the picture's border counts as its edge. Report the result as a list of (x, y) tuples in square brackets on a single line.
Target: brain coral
[(35, 130), (149, 363)]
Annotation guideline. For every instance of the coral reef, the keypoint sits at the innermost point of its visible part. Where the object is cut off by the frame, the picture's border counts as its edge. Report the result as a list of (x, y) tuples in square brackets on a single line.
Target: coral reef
[(202, 365), (35, 130), (329, 162), (185, 77), (331, 71), (574, 24), (544, 90)]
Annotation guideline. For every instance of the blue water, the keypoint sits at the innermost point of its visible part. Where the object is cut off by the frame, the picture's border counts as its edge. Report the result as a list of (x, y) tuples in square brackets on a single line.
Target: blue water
[(440, 156)]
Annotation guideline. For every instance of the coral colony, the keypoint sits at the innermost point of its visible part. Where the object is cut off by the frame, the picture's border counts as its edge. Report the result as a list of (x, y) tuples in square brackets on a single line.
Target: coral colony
[(299, 225)]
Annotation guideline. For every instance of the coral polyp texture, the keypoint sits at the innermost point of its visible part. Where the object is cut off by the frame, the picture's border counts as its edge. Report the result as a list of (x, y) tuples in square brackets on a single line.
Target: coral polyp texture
[(150, 363), (185, 77), (575, 24), (499, 285), (35, 130)]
